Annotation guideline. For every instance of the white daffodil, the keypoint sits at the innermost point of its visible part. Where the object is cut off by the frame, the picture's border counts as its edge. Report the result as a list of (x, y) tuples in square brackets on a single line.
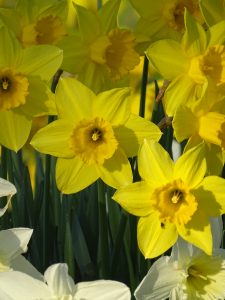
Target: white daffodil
[(13, 242), (62, 287), (59, 286), (188, 273), (6, 189)]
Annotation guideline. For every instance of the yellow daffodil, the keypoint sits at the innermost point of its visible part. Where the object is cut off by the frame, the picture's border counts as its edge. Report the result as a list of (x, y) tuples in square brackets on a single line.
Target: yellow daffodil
[(23, 93), (173, 199), (203, 121), (163, 18), (38, 21), (93, 136), (213, 11), (104, 55), (192, 66)]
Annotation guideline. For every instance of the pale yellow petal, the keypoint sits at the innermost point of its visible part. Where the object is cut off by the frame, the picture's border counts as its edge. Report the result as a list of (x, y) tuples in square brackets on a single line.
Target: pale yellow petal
[(113, 105), (155, 238), (134, 198), (168, 58), (132, 134), (73, 100), (191, 166), (154, 163), (15, 129), (73, 175), (116, 171), (54, 139), (198, 231)]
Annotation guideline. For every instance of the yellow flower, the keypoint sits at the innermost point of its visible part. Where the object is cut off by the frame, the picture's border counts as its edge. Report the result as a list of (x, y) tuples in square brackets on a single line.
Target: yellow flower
[(203, 121), (37, 22), (23, 93), (93, 137), (193, 66), (104, 55), (164, 20), (173, 199)]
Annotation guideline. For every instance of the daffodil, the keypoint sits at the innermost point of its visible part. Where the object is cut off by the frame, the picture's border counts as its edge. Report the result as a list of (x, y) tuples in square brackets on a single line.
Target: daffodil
[(93, 136), (23, 92), (173, 199), (203, 121), (103, 56), (193, 65), (39, 21), (59, 286), (6, 189), (163, 19), (13, 243), (213, 11), (188, 273)]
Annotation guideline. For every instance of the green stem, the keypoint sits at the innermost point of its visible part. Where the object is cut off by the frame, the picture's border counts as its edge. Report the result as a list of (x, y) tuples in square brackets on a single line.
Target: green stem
[(99, 4), (103, 244), (4, 162), (118, 242), (143, 88), (47, 186)]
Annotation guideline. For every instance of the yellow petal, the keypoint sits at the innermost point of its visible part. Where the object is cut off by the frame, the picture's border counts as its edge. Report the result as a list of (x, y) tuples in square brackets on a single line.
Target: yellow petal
[(116, 171), (198, 232), (154, 163), (108, 15), (191, 166), (54, 139), (113, 105), (39, 99), (132, 134), (41, 60), (194, 40), (134, 198), (73, 100), (153, 238), (211, 195), (168, 58), (15, 129), (72, 175), (182, 90), (185, 124), (87, 19)]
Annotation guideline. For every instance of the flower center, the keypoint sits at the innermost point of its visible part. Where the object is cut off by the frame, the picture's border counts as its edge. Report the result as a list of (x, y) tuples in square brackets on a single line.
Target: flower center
[(192, 271), (174, 202), (212, 65), (173, 12), (212, 128), (13, 89), (47, 30), (116, 51), (93, 140)]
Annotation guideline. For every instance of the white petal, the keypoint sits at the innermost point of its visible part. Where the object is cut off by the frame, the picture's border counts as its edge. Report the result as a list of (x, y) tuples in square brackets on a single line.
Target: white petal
[(14, 242), (159, 281), (21, 264), (19, 286), (59, 281), (6, 189), (102, 290)]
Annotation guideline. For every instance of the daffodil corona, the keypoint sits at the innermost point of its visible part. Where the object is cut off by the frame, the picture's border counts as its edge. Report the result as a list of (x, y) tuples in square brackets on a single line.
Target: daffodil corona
[(173, 199), (93, 136)]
